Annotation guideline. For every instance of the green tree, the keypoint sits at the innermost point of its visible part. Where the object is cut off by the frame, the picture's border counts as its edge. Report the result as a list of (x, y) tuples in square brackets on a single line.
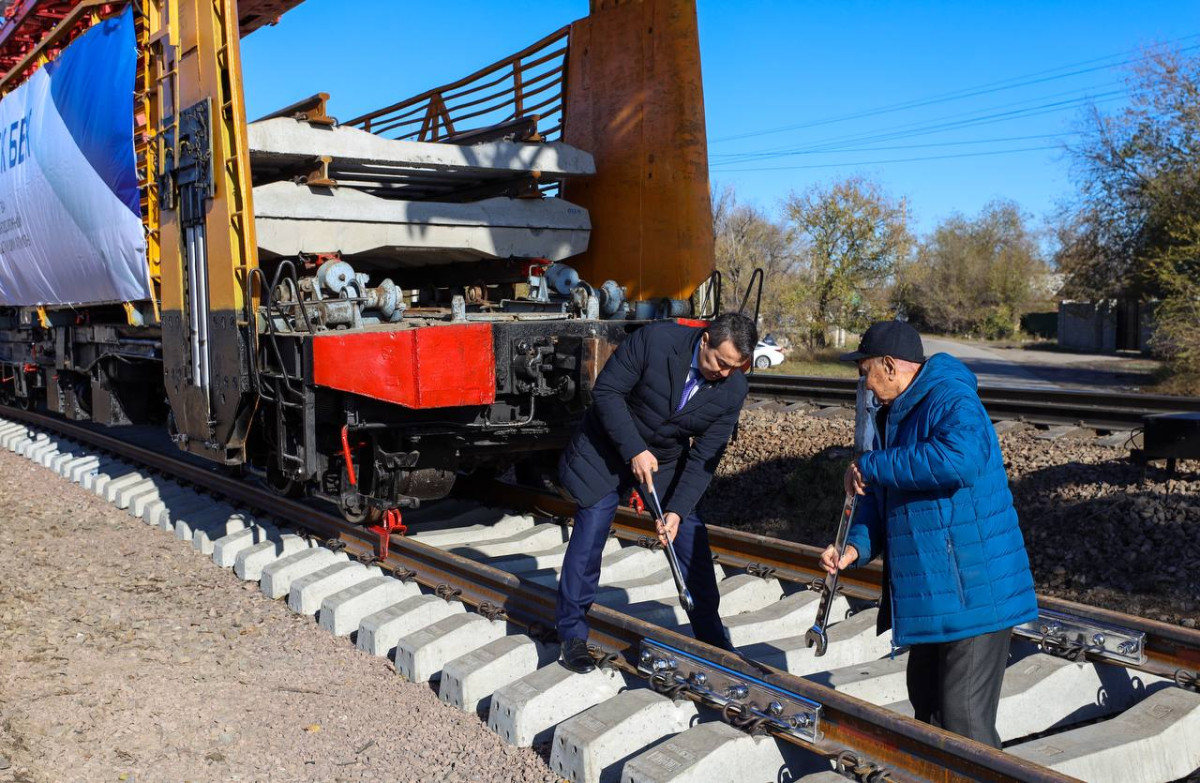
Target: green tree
[(746, 239), (1135, 230), (973, 276), (850, 236)]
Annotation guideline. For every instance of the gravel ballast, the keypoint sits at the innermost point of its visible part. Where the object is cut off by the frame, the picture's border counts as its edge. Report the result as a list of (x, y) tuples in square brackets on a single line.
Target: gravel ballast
[(127, 656), (1099, 529)]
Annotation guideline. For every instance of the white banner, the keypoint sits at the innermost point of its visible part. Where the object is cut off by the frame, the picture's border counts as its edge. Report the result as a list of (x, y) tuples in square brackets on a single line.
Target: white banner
[(70, 223)]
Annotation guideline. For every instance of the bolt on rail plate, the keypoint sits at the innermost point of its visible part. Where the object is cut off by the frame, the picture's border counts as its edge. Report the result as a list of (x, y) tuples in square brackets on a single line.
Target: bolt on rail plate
[(784, 711), (1061, 633)]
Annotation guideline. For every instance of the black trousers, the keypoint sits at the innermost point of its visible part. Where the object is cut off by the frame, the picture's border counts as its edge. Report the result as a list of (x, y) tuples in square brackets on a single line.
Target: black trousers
[(580, 574), (956, 685)]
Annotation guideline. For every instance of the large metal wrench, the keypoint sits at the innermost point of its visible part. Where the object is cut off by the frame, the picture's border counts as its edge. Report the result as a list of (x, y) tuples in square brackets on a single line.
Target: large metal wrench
[(817, 634), (685, 596)]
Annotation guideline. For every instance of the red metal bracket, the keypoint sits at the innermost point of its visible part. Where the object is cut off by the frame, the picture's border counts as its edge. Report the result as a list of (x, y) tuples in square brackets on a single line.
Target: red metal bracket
[(636, 502), (349, 457), (392, 523)]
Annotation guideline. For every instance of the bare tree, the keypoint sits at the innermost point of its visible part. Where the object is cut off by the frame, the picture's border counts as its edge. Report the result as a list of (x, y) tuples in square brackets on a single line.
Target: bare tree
[(747, 239), (850, 237), (1136, 227), (974, 276)]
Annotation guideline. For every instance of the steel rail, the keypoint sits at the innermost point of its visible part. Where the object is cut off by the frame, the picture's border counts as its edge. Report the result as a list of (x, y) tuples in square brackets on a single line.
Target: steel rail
[(787, 560), (906, 749), (1100, 410), (1168, 648)]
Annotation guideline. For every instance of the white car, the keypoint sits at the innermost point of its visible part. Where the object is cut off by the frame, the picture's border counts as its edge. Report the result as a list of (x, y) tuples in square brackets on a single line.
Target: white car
[(766, 355)]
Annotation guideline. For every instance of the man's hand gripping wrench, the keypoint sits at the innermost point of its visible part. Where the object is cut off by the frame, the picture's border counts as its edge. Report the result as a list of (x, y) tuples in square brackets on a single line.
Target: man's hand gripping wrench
[(817, 634), (685, 596)]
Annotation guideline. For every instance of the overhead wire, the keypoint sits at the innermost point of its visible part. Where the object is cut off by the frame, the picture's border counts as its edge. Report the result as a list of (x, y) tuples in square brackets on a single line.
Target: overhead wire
[(914, 130), (993, 140), (967, 92), (925, 127), (975, 115), (875, 140), (896, 160)]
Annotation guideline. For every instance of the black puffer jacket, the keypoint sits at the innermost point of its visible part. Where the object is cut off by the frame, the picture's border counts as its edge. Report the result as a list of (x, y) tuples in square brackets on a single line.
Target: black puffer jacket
[(634, 410)]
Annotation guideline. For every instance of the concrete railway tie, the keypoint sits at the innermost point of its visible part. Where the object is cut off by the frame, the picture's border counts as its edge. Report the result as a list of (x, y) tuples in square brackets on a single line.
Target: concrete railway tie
[(1095, 721)]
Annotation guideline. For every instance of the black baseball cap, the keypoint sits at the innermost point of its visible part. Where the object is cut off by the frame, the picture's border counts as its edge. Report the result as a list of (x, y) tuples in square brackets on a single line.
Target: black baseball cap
[(888, 338)]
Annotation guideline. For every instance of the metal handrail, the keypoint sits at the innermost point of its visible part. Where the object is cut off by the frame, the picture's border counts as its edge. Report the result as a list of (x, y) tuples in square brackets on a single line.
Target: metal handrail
[(494, 95)]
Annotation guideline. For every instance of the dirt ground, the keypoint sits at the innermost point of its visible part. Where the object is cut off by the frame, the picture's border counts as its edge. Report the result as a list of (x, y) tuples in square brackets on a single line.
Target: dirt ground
[(125, 656)]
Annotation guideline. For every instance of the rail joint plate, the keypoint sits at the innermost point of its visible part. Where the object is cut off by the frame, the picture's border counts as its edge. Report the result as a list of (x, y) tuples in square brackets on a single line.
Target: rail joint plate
[(1072, 636), (782, 711)]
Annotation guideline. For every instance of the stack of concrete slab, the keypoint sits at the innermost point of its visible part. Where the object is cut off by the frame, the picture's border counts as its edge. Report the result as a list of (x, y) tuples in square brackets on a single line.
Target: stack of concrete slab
[(320, 189)]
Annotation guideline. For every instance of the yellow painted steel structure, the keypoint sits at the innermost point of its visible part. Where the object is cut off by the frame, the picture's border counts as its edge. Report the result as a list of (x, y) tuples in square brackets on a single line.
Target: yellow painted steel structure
[(145, 141), (206, 223)]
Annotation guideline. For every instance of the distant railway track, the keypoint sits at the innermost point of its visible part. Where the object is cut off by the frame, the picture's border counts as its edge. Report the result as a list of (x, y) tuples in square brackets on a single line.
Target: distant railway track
[(868, 741), (1102, 410)]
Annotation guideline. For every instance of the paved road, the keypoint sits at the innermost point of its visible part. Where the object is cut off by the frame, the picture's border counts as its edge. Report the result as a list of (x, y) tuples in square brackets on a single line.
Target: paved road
[(1039, 369), (993, 367)]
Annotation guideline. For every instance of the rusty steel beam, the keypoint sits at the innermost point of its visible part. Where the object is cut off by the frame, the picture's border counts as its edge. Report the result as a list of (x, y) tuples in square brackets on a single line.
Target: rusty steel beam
[(49, 38), (414, 108), (635, 100), (253, 14), (312, 109), (1102, 410), (28, 28)]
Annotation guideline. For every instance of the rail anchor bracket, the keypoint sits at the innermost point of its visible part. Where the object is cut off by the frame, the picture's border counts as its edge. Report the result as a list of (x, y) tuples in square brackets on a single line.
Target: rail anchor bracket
[(754, 703), (392, 523)]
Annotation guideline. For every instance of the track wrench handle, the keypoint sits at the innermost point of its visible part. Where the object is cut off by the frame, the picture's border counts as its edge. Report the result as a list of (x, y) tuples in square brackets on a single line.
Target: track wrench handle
[(685, 595), (818, 634)]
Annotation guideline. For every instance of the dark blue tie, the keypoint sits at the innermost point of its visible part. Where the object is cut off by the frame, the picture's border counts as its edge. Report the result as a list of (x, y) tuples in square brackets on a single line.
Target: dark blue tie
[(692, 383)]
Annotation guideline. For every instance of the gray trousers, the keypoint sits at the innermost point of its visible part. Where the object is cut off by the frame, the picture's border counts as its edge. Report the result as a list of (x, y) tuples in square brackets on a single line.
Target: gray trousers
[(956, 685)]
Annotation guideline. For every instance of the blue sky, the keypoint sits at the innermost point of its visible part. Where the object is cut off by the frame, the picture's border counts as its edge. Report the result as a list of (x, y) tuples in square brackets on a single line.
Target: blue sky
[(783, 81)]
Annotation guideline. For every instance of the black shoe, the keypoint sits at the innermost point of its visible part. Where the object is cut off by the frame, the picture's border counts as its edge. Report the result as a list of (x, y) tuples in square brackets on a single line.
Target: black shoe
[(575, 656)]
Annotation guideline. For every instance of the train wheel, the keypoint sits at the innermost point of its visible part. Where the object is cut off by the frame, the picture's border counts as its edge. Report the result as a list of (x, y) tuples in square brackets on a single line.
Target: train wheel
[(280, 484), (360, 512), (353, 503)]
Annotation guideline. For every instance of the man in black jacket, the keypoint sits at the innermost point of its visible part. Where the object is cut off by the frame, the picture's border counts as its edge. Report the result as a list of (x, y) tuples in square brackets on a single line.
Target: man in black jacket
[(663, 409)]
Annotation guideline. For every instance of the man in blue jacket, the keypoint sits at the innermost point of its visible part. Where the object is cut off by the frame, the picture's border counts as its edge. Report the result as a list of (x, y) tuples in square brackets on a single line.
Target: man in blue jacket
[(663, 409), (935, 505)]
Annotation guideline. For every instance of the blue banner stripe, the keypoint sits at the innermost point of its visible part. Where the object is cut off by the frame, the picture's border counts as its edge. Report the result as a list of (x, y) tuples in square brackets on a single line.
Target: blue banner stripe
[(92, 84)]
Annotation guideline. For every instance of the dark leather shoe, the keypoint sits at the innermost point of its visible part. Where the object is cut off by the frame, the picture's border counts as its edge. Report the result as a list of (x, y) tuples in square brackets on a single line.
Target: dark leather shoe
[(575, 656)]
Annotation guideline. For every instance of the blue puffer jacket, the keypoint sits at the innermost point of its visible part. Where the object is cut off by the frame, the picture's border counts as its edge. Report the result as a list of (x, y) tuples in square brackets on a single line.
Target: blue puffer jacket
[(940, 511)]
